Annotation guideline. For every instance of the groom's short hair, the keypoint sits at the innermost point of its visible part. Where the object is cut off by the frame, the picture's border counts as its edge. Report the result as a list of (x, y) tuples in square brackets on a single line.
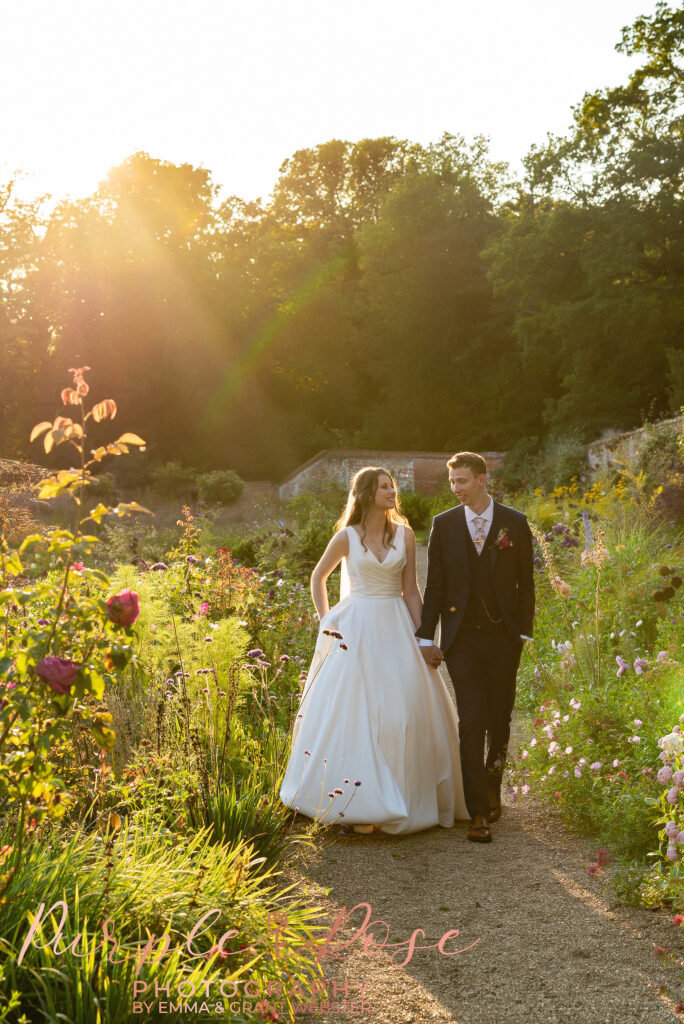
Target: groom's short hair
[(470, 459)]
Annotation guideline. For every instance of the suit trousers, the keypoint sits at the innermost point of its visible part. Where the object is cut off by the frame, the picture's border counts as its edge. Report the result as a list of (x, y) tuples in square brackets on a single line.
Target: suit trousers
[(483, 664)]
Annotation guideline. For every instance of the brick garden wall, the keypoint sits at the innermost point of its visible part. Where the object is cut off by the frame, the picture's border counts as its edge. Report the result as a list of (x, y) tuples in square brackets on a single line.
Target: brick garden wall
[(424, 472)]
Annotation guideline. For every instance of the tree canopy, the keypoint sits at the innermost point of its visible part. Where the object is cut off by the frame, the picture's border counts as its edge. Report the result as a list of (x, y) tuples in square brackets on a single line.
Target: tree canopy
[(387, 294)]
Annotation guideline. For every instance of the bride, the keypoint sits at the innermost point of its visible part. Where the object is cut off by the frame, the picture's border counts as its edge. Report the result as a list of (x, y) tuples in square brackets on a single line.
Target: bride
[(375, 741)]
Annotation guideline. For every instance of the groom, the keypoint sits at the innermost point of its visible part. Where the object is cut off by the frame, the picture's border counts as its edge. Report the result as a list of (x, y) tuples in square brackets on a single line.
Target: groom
[(480, 584)]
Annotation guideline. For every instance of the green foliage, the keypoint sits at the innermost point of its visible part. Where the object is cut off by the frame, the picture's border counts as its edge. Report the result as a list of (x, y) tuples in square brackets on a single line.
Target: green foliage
[(247, 813), (556, 462), (61, 640), (103, 488), (382, 276), (417, 508), (172, 480), (601, 683), (148, 880), (220, 485)]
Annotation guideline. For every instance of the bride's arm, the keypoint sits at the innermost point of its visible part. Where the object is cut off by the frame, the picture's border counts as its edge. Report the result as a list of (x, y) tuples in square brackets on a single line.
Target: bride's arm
[(330, 559), (409, 580)]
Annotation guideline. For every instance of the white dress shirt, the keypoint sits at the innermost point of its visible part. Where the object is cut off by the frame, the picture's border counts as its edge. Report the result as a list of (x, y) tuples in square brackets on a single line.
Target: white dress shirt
[(487, 515)]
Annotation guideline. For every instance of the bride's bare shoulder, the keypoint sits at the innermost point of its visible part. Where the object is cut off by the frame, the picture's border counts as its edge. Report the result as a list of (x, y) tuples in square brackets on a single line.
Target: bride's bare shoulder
[(409, 535), (339, 542)]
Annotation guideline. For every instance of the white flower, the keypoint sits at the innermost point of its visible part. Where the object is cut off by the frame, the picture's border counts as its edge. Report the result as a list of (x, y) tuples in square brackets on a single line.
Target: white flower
[(671, 745), (639, 623)]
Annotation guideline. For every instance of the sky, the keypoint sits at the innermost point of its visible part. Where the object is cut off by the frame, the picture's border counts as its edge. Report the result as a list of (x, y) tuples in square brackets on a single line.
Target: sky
[(237, 87)]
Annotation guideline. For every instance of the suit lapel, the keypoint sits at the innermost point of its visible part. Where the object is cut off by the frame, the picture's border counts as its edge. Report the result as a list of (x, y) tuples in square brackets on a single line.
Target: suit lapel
[(459, 536), (493, 533)]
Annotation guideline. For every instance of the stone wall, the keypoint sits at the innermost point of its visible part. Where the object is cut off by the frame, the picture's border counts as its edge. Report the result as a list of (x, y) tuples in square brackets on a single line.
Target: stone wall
[(424, 472), (624, 447)]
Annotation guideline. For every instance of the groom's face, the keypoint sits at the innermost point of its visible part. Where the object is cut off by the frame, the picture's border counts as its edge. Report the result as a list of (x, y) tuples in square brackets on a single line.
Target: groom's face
[(467, 486)]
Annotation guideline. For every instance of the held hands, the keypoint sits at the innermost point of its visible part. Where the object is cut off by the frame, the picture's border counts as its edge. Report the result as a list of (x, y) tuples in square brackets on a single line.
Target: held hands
[(432, 655)]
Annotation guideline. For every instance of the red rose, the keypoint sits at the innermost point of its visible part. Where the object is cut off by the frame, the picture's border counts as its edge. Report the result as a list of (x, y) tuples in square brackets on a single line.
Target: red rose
[(57, 673), (505, 541), (124, 608)]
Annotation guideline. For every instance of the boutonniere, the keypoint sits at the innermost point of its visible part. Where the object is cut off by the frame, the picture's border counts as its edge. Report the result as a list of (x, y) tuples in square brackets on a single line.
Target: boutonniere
[(502, 539)]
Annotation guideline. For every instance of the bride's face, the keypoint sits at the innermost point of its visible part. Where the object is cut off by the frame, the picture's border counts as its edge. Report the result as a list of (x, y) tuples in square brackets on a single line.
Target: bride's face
[(386, 495)]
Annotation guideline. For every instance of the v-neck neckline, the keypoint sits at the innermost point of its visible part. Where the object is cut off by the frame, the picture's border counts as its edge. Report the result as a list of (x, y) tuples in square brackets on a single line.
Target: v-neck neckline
[(371, 551)]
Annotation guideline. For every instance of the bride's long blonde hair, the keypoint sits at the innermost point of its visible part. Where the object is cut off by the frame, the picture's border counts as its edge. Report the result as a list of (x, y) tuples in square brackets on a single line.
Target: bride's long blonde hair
[(364, 485)]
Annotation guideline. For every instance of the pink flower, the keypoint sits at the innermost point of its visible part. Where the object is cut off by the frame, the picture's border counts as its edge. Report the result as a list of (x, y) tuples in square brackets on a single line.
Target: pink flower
[(664, 775), (124, 608), (637, 721), (634, 739), (639, 665), (77, 567), (672, 854), (577, 772), (596, 766), (58, 673), (594, 869), (204, 608), (622, 665), (678, 778), (672, 795), (678, 919), (671, 829)]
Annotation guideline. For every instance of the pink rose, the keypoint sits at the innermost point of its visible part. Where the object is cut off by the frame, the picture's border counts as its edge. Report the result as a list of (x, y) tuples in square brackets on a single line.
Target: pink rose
[(58, 673), (124, 608)]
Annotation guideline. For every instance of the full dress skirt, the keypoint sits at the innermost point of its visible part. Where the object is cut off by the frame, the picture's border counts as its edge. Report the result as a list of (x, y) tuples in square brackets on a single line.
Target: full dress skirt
[(374, 713)]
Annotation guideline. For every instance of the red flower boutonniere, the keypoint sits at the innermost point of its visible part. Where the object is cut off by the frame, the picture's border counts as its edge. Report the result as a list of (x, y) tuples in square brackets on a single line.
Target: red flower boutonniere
[(502, 539)]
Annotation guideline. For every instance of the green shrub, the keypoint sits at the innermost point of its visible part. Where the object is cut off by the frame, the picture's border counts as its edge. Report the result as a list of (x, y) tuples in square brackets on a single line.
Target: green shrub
[(555, 462), (102, 488), (170, 480), (417, 508), (220, 485), (244, 813)]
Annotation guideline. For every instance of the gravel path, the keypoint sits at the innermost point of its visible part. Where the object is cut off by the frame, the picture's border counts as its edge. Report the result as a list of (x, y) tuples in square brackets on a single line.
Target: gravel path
[(547, 946)]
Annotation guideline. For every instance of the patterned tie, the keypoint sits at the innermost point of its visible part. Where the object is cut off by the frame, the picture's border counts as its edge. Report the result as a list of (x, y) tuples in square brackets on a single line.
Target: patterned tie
[(480, 538)]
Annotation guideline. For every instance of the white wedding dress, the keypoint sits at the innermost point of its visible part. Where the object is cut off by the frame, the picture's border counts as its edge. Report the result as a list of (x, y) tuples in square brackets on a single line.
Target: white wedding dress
[(374, 713)]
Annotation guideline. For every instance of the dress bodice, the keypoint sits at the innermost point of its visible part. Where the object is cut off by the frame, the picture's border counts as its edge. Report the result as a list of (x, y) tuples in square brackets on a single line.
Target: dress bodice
[(369, 577)]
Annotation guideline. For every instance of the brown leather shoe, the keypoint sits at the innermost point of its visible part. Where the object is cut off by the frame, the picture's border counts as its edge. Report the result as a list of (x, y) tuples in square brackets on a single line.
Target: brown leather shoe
[(479, 831), (494, 805)]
